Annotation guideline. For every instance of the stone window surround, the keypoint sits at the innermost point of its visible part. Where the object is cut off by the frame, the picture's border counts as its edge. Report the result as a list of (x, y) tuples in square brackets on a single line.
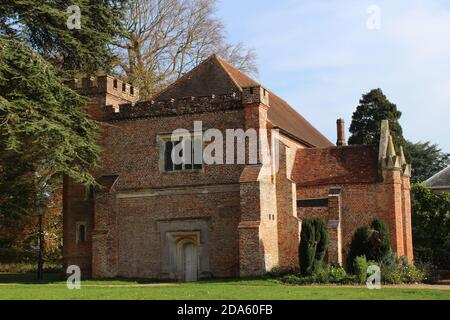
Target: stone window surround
[(161, 139)]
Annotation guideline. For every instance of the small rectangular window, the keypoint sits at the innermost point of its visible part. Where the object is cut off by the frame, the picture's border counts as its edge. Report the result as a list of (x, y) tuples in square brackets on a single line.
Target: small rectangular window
[(81, 232), (178, 167), (90, 193), (168, 164)]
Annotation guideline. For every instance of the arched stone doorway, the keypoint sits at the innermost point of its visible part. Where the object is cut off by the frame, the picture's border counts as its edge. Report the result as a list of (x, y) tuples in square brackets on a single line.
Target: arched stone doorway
[(176, 233)]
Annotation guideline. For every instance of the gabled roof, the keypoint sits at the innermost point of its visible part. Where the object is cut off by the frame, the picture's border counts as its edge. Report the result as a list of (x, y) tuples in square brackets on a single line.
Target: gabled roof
[(440, 180), (217, 76)]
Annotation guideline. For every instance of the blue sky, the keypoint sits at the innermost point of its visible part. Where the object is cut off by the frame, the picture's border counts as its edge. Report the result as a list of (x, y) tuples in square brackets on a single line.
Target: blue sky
[(321, 57)]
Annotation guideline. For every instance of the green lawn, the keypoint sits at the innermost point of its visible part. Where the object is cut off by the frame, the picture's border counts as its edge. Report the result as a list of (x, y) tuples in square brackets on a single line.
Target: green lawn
[(25, 287)]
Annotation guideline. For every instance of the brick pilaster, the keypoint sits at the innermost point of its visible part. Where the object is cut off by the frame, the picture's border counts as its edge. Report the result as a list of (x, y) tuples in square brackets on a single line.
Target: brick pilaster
[(334, 227), (394, 215), (407, 223), (105, 237)]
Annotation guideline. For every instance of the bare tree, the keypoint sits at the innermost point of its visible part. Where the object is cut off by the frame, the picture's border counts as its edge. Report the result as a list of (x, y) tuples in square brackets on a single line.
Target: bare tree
[(166, 38)]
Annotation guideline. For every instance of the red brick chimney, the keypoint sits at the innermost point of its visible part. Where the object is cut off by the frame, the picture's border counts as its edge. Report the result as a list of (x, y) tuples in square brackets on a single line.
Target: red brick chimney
[(341, 133)]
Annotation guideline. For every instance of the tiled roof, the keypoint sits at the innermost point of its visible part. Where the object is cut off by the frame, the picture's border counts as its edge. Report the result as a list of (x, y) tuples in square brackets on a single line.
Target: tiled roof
[(440, 180), (217, 76), (336, 166)]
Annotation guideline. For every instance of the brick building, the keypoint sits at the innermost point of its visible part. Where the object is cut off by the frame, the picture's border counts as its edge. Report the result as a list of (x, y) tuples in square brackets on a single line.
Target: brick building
[(440, 182), (153, 218)]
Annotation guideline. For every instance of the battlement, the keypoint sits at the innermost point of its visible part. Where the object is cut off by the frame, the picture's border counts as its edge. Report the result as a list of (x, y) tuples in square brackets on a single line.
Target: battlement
[(103, 85), (255, 95), (173, 107)]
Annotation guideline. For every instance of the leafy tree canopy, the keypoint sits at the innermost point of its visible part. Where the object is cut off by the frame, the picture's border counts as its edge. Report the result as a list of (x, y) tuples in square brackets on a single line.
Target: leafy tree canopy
[(427, 160), (43, 26), (44, 130), (431, 225), (366, 122)]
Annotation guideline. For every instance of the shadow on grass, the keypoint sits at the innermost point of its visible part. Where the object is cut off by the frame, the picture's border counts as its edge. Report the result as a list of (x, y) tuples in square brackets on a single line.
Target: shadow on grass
[(135, 280), (30, 278), (53, 278), (233, 280)]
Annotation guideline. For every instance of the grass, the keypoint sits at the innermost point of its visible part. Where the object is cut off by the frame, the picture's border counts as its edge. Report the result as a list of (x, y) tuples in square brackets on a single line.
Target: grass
[(24, 286)]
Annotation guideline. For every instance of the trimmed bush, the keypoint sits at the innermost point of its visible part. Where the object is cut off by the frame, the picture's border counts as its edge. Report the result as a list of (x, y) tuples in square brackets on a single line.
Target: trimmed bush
[(358, 247), (373, 243), (313, 246), (360, 266), (379, 242)]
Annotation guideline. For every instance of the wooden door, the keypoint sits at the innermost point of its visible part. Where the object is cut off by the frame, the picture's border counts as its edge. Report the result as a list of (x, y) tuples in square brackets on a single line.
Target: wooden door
[(190, 262)]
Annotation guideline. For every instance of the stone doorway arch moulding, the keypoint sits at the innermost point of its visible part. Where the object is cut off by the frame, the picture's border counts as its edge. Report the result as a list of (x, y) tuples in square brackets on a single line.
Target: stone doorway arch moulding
[(187, 270), (174, 234)]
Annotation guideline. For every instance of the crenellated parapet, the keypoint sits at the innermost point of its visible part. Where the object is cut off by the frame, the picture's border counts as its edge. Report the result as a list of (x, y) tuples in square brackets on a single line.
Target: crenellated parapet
[(105, 85), (173, 107), (255, 95)]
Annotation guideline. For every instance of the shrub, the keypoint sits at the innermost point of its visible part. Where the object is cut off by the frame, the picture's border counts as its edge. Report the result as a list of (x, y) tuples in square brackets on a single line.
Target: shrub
[(290, 279), (336, 274), (391, 275), (389, 260), (360, 268), (371, 241), (313, 245), (379, 244), (358, 247), (277, 272), (400, 274), (328, 274), (430, 271)]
